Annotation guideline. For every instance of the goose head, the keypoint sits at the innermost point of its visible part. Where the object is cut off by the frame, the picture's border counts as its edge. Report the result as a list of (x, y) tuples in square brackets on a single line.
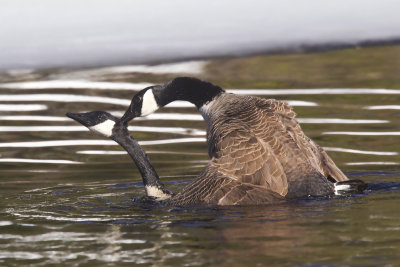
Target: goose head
[(100, 122), (189, 89)]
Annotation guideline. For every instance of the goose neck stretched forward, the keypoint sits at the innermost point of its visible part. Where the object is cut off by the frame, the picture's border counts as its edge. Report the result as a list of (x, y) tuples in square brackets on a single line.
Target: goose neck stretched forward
[(107, 125)]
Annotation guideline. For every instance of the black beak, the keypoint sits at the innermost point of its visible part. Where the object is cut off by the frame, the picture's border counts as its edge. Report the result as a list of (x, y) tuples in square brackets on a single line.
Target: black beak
[(79, 117)]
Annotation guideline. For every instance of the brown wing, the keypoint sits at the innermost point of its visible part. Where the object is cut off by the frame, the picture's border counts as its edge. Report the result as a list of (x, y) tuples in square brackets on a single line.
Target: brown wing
[(329, 167), (212, 187), (262, 144), (313, 152), (242, 157)]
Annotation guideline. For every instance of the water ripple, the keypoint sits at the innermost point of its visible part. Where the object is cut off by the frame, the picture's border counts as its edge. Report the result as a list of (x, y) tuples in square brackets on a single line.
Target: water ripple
[(356, 151), (55, 143), (51, 161), (65, 98), (173, 130), (75, 84), (321, 91), (22, 107), (383, 107), (372, 163), (33, 118), (110, 152), (339, 121), (364, 133)]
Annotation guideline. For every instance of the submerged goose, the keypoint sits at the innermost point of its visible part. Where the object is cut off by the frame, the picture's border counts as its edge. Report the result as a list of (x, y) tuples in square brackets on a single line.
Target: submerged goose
[(259, 154)]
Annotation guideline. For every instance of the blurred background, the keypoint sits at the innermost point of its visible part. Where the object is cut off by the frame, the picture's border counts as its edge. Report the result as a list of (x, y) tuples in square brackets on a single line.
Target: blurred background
[(71, 197), (45, 33)]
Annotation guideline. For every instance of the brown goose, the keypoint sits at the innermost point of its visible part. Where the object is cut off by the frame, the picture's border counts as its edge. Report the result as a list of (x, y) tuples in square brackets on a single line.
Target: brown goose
[(105, 124), (259, 154)]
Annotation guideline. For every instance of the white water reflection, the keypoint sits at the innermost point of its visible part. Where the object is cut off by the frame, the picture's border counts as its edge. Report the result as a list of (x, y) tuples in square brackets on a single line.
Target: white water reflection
[(174, 130), (50, 161), (55, 143), (372, 163), (174, 141), (171, 116), (23, 255), (110, 152), (396, 107), (364, 133), (300, 103), (339, 121), (33, 118), (101, 218), (77, 84), (102, 152), (356, 151), (42, 128), (65, 98), (321, 91), (22, 107)]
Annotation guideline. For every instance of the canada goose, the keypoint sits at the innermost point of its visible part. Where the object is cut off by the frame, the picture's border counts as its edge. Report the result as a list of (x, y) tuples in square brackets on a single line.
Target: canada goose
[(103, 123), (208, 188), (259, 154)]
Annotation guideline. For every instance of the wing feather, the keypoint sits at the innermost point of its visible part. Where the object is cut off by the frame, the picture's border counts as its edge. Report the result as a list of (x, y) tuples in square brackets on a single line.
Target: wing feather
[(250, 161)]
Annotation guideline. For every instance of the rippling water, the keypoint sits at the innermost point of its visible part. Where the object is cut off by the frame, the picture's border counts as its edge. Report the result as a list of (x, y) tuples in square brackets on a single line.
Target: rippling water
[(71, 197)]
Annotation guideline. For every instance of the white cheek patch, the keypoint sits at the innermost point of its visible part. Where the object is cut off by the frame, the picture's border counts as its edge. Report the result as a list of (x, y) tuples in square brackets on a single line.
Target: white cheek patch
[(104, 128), (149, 104), (154, 191)]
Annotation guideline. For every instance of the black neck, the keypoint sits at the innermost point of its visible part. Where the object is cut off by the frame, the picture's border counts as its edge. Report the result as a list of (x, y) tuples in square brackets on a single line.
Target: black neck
[(189, 89), (135, 151)]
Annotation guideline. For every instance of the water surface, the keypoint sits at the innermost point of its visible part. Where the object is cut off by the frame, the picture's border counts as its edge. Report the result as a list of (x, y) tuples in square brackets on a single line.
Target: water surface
[(71, 197)]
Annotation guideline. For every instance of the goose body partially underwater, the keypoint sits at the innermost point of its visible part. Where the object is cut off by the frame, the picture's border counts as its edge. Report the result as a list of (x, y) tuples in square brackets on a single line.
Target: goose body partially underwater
[(258, 152)]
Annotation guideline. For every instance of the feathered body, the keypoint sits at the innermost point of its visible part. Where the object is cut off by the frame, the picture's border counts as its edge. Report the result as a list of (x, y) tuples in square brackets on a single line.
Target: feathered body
[(259, 154), (258, 151)]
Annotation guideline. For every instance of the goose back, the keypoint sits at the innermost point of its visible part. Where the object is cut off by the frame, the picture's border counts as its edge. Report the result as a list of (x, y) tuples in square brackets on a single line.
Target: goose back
[(259, 154)]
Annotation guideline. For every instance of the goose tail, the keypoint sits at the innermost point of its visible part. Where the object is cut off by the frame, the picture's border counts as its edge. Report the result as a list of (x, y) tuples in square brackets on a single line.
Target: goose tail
[(350, 187)]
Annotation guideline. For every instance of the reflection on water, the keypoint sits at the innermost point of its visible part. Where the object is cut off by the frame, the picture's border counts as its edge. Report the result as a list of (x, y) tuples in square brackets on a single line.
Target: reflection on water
[(364, 133), (64, 98), (174, 130), (357, 151), (32, 118), (70, 84), (22, 107), (383, 107), (71, 197), (373, 163), (55, 143), (324, 91), (50, 161)]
